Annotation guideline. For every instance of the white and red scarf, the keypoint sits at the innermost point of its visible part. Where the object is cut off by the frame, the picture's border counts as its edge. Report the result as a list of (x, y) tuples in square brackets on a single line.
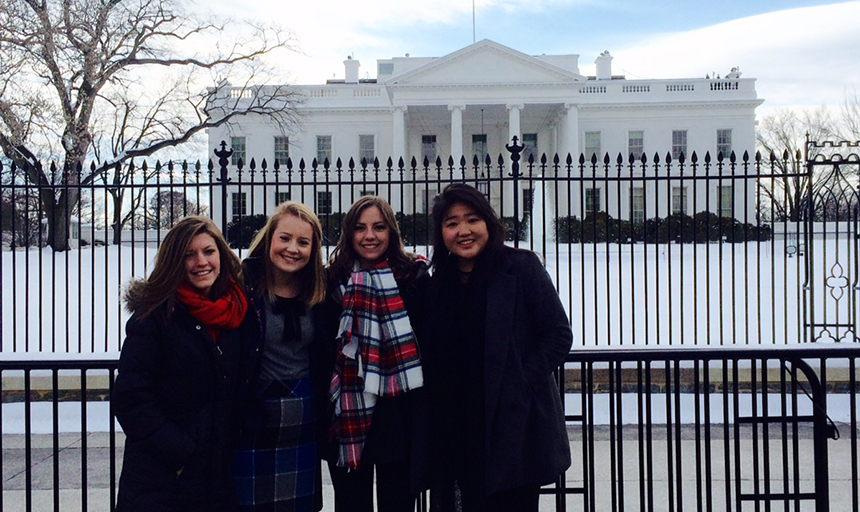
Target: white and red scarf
[(377, 356)]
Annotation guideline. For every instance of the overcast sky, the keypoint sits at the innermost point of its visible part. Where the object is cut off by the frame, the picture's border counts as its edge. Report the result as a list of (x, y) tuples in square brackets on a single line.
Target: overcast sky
[(803, 53)]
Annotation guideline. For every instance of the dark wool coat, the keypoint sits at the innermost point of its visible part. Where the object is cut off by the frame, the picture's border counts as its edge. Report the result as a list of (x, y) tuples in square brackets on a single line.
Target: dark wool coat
[(175, 398), (527, 337)]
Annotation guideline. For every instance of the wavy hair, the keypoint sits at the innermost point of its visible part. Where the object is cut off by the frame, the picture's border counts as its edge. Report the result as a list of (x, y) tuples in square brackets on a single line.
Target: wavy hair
[(146, 295), (344, 256)]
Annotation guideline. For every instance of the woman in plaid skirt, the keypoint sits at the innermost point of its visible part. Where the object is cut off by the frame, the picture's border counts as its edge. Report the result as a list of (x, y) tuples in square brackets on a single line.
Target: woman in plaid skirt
[(374, 289), (277, 467)]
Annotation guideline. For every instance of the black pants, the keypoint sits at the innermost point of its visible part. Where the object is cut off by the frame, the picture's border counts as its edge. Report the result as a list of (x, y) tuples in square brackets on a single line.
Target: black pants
[(464, 497), (353, 490)]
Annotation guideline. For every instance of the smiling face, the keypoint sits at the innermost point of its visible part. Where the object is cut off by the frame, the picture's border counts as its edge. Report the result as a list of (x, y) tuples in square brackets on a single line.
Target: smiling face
[(370, 237), (465, 234), (202, 263), (291, 246)]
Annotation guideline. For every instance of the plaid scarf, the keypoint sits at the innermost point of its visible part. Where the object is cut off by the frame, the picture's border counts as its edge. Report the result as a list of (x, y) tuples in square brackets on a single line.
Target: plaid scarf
[(377, 356)]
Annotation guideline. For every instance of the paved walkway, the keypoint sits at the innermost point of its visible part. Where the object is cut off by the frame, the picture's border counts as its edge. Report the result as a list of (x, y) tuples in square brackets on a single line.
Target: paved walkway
[(71, 499)]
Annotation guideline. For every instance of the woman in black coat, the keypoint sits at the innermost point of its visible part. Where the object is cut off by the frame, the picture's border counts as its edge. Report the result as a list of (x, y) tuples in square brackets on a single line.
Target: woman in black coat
[(496, 331), (180, 371), (370, 252)]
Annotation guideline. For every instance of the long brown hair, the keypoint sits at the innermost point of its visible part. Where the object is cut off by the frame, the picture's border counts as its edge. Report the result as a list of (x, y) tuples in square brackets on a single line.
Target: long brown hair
[(146, 295), (312, 276), (344, 256)]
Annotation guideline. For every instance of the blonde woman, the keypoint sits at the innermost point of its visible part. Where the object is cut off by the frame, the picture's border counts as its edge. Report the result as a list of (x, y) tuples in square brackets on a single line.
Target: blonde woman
[(277, 466)]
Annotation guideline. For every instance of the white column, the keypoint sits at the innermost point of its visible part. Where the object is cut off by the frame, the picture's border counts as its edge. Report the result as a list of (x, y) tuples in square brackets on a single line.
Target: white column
[(514, 123), (570, 143), (456, 132), (398, 149)]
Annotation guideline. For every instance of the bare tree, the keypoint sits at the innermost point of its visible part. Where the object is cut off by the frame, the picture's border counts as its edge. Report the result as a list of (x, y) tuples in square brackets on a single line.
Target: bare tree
[(850, 126), (66, 66), (781, 139), (168, 206)]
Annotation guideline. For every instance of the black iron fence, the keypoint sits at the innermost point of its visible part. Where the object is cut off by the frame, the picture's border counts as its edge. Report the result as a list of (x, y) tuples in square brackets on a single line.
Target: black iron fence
[(713, 301), (648, 251), (715, 429)]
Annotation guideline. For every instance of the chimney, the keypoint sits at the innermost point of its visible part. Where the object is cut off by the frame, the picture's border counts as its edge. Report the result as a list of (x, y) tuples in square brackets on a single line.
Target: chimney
[(351, 66), (604, 66)]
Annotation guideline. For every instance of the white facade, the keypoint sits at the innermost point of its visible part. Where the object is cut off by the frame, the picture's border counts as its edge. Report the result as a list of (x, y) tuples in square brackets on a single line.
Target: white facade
[(445, 106)]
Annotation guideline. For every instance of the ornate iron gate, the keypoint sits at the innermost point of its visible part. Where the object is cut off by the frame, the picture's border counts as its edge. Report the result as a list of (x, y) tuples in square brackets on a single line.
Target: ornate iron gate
[(830, 238)]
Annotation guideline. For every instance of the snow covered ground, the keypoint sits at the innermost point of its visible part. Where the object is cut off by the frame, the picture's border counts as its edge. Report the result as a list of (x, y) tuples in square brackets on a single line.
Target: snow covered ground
[(68, 305)]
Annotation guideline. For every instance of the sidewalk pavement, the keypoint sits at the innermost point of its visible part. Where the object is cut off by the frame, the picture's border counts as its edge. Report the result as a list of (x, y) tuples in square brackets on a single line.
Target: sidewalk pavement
[(70, 474)]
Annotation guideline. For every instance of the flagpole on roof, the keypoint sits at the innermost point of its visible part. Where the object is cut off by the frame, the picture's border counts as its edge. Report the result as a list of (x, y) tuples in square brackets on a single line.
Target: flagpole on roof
[(473, 21)]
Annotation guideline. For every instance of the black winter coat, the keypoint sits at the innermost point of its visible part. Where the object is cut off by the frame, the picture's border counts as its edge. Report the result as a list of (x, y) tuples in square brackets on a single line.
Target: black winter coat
[(175, 398), (527, 337)]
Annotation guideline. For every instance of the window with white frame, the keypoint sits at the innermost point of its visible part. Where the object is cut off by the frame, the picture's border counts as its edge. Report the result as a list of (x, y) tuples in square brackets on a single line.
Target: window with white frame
[(239, 147), (592, 201), (483, 186), (323, 149), (530, 147), (427, 198), (679, 144), (281, 196), (428, 148), (636, 143), (724, 143), (366, 149), (592, 146), (679, 200), (323, 202), (479, 146), (637, 205), (282, 150), (239, 203), (726, 200), (528, 199)]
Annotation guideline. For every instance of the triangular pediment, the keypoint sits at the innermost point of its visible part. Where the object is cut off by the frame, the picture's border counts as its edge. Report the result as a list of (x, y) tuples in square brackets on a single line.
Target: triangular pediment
[(485, 63)]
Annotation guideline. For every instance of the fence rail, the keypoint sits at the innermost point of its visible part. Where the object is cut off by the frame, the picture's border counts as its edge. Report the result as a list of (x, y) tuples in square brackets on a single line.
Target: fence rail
[(717, 429)]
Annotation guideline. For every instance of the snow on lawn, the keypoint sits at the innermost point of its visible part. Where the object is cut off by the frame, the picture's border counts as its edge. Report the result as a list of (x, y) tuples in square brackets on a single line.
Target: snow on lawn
[(69, 305)]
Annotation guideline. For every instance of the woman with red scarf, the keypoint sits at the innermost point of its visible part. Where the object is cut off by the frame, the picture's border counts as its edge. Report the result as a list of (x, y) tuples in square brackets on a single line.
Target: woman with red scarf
[(180, 371)]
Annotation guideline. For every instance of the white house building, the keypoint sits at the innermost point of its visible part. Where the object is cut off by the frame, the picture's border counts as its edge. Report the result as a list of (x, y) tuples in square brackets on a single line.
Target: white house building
[(475, 100)]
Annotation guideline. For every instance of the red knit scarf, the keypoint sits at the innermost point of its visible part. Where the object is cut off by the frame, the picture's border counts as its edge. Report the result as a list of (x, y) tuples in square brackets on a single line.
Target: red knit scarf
[(225, 313)]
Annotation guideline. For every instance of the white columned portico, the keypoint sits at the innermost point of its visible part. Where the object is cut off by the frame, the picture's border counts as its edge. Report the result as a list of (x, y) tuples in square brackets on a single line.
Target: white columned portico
[(570, 144), (398, 149), (456, 133), (514, 122)]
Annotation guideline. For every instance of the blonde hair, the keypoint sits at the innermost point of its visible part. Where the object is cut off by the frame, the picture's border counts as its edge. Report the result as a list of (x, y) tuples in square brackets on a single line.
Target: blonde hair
[(313, 274)]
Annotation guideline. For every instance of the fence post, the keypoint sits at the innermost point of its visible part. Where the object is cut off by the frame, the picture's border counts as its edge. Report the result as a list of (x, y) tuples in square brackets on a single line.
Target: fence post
[(223, 159), (515, 150)]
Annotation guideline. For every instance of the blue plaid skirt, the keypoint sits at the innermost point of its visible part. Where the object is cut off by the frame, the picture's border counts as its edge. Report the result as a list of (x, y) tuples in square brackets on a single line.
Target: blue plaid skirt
[(275, 467)]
